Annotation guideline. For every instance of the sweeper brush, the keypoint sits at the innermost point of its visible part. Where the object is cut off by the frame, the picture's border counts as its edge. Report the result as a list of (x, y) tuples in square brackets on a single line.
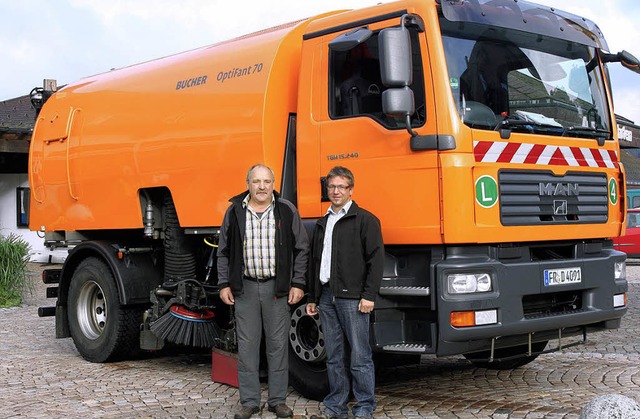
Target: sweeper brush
[(186, 327)]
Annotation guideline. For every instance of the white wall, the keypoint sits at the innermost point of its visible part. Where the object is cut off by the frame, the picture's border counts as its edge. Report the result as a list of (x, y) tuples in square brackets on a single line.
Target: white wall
[(9, 220)]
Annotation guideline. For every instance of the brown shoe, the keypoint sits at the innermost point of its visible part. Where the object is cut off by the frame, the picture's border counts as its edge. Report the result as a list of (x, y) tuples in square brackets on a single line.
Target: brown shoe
[(246, 412), (281, 410)]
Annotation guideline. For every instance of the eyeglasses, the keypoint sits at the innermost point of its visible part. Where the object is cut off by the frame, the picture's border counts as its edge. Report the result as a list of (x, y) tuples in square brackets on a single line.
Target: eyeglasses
[(341, 188)]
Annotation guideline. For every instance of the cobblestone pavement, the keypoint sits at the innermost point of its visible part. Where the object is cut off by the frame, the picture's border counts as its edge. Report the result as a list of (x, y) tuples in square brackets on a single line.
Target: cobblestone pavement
[(41, 376)]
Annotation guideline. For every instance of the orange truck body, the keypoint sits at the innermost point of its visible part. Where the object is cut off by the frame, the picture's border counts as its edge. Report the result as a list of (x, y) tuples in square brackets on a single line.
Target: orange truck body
[(193, 123), (93, 150)]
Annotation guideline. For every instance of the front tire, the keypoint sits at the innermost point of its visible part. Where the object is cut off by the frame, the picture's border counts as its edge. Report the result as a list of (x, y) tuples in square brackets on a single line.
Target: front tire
[(307, 366), (101, 329)]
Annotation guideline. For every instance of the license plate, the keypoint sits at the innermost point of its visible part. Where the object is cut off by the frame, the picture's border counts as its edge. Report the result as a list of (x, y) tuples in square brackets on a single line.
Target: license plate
[(562, 276)]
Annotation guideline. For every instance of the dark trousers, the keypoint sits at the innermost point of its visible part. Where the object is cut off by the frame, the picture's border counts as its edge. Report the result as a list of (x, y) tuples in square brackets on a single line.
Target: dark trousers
[(256, 309)]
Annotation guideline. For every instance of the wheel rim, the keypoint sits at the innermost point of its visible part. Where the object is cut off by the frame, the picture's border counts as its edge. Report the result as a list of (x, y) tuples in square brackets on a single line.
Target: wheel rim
[(92, 310), (306, 336)]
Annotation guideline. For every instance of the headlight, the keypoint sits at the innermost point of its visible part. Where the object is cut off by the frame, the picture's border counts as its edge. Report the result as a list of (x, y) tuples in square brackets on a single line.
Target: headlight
[(620, 270), (468, 283)]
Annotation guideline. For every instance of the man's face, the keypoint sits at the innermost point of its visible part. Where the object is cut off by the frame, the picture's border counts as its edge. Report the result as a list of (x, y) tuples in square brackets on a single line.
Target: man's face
[(260, 185), (339, 191)]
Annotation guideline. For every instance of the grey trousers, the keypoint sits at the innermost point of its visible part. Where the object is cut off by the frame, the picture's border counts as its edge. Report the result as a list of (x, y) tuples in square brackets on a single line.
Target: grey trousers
[(257, 308)]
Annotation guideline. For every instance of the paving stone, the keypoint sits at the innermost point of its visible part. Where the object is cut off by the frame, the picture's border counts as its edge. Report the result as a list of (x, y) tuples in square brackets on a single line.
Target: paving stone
[(44, 377)]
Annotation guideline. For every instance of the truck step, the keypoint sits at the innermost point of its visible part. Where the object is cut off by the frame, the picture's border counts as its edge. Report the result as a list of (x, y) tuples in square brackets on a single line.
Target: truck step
[(51, 276), (52, 292), (408, 291), (405, 347), (46, 311)]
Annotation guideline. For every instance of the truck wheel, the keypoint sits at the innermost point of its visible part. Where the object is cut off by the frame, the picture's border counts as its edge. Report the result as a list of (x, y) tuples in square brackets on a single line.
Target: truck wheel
[(502, 359), (101, 329), (307, 366)]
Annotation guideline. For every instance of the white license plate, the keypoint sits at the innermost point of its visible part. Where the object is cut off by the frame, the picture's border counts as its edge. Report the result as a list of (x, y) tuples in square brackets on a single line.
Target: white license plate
[(562, 276)]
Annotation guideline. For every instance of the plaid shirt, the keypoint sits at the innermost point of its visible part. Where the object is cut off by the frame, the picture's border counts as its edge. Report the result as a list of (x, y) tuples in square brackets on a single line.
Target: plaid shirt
[(259, 242)]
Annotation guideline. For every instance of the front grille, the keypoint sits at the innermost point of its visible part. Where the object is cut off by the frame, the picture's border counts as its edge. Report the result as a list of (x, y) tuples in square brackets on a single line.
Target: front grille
[(542, 198), (553, 304)]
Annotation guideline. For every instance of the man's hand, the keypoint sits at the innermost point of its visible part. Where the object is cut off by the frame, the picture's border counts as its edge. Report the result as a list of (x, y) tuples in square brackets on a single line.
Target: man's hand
[(295, 295), (312, 309), (365, 306), (227, 296)]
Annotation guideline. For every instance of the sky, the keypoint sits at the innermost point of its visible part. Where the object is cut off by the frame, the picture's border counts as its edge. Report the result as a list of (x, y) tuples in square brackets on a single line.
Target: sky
[(70, 39)]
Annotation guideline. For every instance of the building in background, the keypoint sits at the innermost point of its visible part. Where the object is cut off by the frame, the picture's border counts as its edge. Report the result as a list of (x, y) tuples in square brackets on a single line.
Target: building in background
[(17, 118), (629, 135)]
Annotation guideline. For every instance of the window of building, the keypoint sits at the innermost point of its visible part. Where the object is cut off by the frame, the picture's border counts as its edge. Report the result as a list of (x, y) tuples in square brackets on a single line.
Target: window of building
[(22, 206)]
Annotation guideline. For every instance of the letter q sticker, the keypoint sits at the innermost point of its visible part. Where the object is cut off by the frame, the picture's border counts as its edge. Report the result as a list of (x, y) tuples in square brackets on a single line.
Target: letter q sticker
[(486, 191)]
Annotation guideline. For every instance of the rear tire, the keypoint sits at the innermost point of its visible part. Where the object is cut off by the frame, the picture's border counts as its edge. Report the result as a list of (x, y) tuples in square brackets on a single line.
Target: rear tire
[(480, 359), (101, 329)]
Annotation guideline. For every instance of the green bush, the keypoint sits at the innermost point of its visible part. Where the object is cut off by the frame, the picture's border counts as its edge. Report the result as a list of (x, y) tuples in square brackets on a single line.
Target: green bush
[(14, 255)]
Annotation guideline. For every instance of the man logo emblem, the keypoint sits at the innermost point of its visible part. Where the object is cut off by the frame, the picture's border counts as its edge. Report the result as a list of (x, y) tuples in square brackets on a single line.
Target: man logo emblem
[(559, 207)]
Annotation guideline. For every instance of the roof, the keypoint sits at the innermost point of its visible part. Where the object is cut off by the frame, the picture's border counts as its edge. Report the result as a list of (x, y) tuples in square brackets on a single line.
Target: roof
[(17, 115), (625, 121), (17, 118)]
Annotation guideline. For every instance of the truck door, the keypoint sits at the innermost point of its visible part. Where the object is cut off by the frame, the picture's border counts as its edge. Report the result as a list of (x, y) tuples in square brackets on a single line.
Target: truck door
[(346, 126)]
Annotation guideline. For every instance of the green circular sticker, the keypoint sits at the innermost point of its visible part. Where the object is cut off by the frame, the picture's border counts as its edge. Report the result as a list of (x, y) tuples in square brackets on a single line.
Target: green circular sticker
[(613, 191), (486, 191)]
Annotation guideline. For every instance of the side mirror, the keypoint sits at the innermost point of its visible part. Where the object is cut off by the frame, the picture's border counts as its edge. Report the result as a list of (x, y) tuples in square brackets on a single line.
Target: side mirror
[(396, 71), (395, 57), (629, 61), (398, 101), (623, 57)]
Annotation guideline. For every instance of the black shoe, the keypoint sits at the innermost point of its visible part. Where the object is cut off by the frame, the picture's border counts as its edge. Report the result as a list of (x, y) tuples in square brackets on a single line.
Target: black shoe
[(281, 410), (246, 412)]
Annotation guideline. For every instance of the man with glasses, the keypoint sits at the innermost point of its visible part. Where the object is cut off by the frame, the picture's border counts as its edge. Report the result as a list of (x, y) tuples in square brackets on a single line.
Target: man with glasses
[(347, 256)]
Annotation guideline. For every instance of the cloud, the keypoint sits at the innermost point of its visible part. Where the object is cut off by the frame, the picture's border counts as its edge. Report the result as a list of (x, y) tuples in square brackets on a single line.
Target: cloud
[(70, 39)]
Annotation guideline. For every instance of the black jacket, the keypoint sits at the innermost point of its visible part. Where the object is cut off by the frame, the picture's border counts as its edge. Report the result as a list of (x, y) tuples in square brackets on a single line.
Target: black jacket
[(292, 246), (357, 256)]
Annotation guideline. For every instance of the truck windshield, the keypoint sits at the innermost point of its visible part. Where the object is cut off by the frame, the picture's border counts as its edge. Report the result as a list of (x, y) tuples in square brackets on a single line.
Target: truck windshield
[(525, 82)]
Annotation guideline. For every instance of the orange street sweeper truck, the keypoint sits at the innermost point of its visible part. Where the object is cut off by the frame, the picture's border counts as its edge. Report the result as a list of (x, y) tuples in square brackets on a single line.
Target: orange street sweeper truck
[(481, 133)]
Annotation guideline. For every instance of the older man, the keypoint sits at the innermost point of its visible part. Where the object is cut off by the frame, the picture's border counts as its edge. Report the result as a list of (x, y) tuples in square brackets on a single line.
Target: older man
[(262, 260)]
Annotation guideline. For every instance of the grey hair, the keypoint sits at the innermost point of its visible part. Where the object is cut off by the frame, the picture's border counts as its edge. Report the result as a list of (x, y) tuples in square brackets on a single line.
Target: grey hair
[(255, 166)]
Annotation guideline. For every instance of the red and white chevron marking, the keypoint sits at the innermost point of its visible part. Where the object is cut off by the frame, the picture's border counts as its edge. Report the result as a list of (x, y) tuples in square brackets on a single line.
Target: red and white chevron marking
[(504, 152)]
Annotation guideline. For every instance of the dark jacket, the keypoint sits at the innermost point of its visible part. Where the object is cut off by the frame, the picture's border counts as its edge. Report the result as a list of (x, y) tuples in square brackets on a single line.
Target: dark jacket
[(292, 246), (357, 256)]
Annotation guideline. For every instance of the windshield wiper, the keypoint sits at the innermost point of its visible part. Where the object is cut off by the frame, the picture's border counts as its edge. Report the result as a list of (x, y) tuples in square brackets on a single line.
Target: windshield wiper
[(509, 124), (597, 133), (594, 132)]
